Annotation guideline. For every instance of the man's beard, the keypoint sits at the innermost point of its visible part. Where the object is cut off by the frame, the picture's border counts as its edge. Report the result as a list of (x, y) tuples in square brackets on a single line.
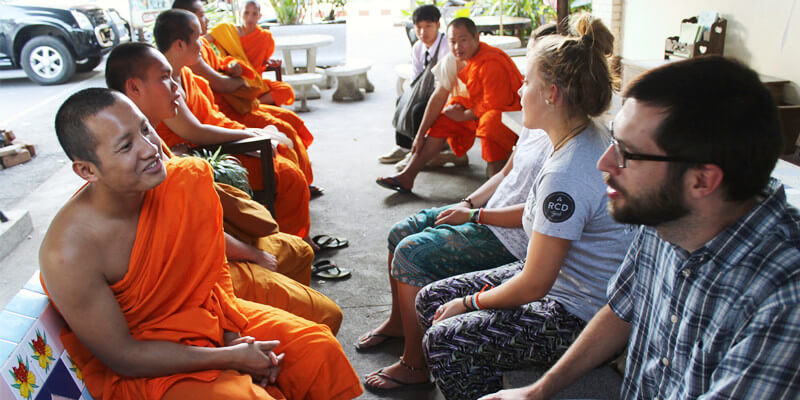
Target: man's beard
[(654, 208)]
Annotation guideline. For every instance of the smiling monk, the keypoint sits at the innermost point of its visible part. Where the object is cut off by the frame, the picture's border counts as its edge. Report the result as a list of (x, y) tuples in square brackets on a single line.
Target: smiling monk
[(272, 268), (151, 312)]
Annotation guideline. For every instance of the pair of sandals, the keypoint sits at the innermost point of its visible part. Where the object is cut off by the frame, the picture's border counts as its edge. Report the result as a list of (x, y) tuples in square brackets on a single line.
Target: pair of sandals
[(327, 269)]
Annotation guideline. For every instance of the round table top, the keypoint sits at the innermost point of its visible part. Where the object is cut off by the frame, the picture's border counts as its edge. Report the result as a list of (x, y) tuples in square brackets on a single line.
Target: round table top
[(296, 42), (502, 42), (484, 22)]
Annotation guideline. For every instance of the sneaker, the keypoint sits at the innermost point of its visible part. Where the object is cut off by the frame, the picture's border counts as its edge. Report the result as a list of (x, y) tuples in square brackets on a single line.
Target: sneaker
[(447, 157), (396, 155), (401, 165)]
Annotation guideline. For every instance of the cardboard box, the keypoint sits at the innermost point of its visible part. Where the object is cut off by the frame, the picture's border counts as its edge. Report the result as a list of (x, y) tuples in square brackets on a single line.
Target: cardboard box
[(11, 150), (31, 148), (8, 135), (16, 159)]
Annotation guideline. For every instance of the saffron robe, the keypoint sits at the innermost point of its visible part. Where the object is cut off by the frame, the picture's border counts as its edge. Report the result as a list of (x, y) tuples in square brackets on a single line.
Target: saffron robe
[(492, 81), (287, 287), (252, 51), (291, 187), (260, 115), (178, 289)]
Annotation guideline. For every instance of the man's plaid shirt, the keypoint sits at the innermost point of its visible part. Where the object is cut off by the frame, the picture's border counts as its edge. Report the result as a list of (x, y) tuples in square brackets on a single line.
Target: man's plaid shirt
[(722, 322)]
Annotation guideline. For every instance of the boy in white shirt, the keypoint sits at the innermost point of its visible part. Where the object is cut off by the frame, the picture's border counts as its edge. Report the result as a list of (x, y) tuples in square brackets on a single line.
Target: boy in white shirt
[(430, 44)]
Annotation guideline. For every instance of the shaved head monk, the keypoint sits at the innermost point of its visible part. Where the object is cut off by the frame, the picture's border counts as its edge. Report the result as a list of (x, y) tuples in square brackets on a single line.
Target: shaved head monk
[(252, 258), (481, 82), (238, 98), (151, 313), (252, 47), (198, 121)]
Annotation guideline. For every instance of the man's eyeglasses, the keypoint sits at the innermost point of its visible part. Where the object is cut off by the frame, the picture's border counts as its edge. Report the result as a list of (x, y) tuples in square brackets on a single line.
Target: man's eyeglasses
[(623, 155)]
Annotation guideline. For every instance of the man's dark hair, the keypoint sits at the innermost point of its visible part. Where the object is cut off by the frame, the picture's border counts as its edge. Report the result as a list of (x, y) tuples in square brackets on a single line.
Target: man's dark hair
[(464, 22), (187, 5), (172, 25), (428, 12), (127, 61), (718, 112), (77, 140)]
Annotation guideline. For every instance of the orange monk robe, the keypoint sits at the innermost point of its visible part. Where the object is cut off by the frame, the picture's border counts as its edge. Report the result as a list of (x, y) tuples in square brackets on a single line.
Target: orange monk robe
[(262, 114), (253, 52), (287, 287), (492, 82), (178, 289), (292, 195)]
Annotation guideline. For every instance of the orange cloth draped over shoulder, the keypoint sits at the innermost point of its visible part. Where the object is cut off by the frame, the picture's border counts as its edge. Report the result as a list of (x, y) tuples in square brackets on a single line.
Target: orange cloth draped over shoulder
[(253, 52), (287, 287), (492, 82), (291, 187), (178, 289), (260, 115)]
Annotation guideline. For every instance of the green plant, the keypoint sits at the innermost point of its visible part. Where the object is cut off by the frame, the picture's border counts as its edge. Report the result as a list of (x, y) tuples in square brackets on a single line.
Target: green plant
[(330, 9), (227, 169), (289, 12)]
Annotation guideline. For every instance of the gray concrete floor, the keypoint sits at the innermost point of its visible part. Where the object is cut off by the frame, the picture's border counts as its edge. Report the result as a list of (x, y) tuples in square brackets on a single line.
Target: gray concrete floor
[(348, 138)]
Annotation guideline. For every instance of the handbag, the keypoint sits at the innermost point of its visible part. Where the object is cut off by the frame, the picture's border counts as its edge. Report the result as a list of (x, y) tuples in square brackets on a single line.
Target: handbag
[(421, 90)]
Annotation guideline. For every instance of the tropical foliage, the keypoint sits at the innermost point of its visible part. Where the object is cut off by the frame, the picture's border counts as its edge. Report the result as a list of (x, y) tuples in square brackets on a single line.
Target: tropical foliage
[(227, 169)]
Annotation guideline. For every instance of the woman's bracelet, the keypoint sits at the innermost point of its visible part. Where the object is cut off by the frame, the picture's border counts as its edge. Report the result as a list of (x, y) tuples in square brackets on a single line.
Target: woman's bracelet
[(464, 302), (480, 215), (469, 201)]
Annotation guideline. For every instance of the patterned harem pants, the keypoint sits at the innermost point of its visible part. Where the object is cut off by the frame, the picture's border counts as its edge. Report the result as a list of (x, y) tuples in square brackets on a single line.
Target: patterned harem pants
[(468, 353)]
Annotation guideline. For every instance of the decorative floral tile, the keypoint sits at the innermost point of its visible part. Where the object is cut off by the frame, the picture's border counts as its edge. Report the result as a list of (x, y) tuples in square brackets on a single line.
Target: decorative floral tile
[(51, 322), (59, 385), (74, 370), (21, 379)]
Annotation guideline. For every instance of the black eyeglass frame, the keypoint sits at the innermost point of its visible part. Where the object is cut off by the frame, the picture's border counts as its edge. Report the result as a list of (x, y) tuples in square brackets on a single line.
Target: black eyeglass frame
[(623, 156)]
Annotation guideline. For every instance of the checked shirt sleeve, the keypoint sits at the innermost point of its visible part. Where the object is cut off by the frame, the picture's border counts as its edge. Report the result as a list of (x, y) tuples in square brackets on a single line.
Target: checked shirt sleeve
[(621, 286), (764, 363)]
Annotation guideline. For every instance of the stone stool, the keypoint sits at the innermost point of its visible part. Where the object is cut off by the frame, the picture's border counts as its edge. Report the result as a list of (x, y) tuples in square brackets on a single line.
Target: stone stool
[(403, 72), (349, 78), (300, 82)]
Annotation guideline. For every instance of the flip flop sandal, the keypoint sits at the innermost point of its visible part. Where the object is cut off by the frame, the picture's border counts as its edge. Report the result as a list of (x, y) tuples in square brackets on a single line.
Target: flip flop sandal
[(392, 184), (328, 242), (401, 385), (315, 191), (326, 269), (361, 345)]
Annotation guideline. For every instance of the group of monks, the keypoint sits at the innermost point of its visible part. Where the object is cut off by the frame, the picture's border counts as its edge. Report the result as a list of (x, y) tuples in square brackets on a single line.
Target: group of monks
[(202, 293)]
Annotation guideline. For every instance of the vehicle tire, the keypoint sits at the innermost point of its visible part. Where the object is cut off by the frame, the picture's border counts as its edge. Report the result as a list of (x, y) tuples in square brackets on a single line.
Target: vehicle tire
[(88, 64), (47, 61)]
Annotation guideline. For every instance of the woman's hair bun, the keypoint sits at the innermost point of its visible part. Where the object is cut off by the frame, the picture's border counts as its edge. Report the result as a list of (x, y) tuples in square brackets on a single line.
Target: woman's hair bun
[(592, 32)]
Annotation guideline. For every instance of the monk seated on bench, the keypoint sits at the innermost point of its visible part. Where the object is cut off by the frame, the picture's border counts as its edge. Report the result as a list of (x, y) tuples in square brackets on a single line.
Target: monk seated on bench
[(135, 263), (272, 268)]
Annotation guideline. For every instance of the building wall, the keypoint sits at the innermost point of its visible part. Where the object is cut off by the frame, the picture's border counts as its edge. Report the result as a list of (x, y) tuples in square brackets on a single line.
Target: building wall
[(763, 34)]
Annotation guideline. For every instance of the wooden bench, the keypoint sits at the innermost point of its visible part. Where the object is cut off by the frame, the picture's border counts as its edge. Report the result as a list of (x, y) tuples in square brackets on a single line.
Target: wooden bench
[(350, 78), (301, 82), (34, 360)]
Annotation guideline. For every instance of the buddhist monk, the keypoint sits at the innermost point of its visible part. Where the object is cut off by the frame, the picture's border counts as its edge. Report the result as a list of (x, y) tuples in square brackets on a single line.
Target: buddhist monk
[(135, 263), (139, 71), (252, 47), (481, 82), (177, 34), (239, 103)]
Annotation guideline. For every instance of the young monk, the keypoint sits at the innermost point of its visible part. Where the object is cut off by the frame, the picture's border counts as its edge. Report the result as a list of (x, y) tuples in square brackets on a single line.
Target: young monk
[(252, 47), (151, 312), (483, 81), (177, 34), (238, 102), (144, 75)]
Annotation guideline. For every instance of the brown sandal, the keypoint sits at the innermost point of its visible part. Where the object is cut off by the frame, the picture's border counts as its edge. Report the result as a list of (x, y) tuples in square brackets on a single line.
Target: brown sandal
[(362, 345)]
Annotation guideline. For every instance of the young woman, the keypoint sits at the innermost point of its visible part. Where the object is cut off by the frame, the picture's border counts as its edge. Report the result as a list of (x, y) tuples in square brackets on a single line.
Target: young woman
[(528, 312), (482, 231)]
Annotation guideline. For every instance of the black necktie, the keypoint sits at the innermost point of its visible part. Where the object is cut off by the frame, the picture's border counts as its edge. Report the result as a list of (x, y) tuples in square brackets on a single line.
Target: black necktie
[(427, 55)]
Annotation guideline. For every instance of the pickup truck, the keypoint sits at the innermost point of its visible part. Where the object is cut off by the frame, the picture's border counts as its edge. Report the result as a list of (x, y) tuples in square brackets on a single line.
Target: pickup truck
[(51, 43)]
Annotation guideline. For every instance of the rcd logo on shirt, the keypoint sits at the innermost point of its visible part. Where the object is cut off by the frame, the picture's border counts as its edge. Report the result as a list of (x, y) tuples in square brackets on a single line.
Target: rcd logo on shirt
[(558, 207)]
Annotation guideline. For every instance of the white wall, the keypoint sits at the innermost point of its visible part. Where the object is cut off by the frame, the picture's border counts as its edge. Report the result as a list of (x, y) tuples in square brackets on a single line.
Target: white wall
[(763, 34)]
